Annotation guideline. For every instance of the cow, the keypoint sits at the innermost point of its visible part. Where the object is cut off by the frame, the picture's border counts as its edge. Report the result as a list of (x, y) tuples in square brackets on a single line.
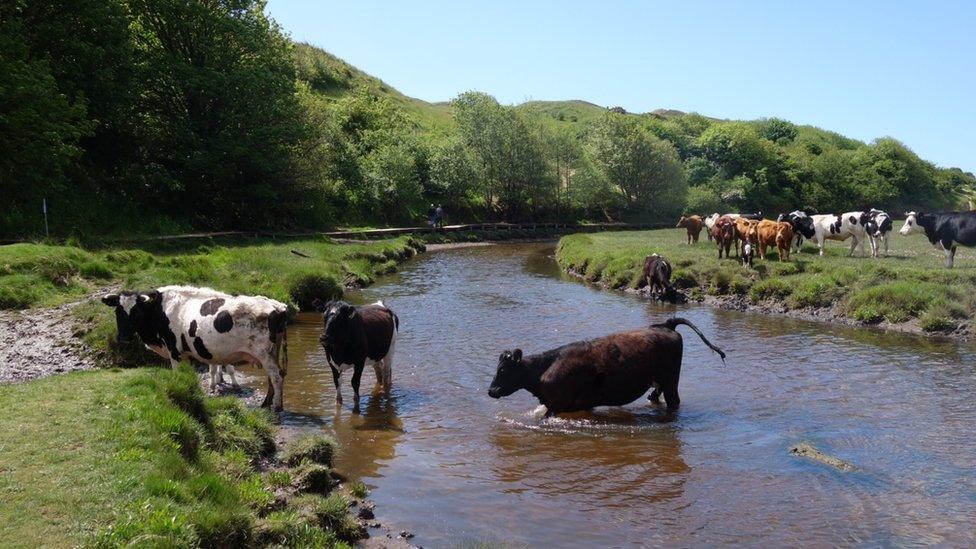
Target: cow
[(184, 322), (841, 227), (744, 232), (353, 336), (710, 224), (753, 216), (943, 229), (657, 274), (878, 227), (747, 255), (802, 226), (613, 370), (769, 233), (724, 234), (693, 224)]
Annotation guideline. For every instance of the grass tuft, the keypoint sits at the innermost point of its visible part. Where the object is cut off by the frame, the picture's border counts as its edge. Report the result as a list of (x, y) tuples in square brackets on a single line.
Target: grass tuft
[(312, 448)]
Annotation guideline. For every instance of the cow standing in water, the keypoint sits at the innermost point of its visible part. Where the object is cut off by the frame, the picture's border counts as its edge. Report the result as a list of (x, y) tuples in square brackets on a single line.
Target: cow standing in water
[(353, 336), (657, 274), (179, 322), (944, 230), (608, 371)]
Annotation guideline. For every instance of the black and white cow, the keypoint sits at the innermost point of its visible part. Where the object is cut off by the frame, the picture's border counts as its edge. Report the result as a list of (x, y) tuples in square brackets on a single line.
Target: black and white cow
[(879, 225), (841, 227), (944, 230), (802, 226), (183, 322), (353, 336)]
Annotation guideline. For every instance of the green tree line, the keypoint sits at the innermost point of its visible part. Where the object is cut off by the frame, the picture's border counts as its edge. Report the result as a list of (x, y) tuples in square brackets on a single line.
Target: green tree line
[(165, 115)]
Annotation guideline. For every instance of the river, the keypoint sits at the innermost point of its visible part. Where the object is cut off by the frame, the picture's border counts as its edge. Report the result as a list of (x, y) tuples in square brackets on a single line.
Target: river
[(454, 466)]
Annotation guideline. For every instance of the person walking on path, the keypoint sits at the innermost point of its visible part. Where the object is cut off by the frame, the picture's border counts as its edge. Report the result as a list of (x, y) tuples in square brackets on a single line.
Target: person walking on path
[(439, 217)]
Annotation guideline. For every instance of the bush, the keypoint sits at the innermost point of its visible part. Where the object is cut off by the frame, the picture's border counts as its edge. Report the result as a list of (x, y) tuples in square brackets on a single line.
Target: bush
[(96, 269), (358, 489), (314, 448), (330, 512), (933, 322), (770, 288), (311, 477), (306, 287)]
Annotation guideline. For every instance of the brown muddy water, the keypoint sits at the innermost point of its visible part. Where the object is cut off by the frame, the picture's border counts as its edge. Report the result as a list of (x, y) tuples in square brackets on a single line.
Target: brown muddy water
[(454, 466)]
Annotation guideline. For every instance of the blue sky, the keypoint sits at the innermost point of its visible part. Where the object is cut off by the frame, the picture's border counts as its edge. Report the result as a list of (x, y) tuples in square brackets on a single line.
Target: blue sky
[(864, 69)]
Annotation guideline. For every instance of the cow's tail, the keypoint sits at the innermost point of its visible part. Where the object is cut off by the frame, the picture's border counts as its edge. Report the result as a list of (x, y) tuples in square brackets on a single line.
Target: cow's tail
[(673, 323)]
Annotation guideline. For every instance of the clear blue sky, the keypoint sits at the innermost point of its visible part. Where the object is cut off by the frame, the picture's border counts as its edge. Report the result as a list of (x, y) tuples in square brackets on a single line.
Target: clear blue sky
[(864, 69)]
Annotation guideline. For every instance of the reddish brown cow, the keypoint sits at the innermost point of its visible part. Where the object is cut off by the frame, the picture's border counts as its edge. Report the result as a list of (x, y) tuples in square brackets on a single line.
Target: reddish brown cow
[(723, 233), (744, 232), (770, 233), (693, 224)]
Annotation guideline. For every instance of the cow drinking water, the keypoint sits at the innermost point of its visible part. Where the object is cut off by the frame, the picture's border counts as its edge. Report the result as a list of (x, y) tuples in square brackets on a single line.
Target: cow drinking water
[(184, 322), (353, 336), (608, 371)]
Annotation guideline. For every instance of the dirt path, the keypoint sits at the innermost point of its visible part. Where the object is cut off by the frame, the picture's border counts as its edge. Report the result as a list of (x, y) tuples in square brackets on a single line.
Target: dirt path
[(39, 342)]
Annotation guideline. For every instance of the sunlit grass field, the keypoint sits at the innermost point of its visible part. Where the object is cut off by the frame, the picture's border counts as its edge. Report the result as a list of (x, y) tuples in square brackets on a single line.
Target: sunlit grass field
[(911, 283)]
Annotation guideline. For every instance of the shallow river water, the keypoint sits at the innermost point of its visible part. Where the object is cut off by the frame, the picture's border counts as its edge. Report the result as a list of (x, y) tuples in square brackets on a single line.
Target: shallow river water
[(454, 466)]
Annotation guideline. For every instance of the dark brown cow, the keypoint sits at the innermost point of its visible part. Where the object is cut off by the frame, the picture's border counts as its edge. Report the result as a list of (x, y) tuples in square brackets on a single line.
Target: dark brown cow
[(657, 273), (693, 224), (723, 232), (609, 371), (355, 335)]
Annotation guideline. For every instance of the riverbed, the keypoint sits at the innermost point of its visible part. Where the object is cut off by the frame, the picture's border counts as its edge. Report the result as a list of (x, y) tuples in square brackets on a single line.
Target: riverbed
[(445, 461)]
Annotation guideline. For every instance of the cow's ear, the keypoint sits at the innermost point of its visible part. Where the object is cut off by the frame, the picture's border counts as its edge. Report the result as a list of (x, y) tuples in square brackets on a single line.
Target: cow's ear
[(112, 300), (517, 355)]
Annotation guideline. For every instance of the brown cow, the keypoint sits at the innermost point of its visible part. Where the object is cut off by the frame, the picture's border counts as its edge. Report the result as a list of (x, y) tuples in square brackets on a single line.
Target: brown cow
[(723, 232), (693, 224), (657, 274), (771, 233), (744, 232), (608, 371)]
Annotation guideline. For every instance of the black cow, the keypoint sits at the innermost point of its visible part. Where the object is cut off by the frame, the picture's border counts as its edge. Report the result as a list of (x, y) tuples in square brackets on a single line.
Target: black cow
[(609, 371), (802, 226), (943, 229), (657, 273), (354, 335)]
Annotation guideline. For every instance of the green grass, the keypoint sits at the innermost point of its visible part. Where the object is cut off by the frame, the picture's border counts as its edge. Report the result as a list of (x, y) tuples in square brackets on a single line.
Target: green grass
[(38, 274), (910, 284), (113, 457)]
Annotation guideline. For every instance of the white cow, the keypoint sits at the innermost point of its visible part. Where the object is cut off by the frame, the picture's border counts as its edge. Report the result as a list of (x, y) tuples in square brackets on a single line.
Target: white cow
[(841, 227), (211, 327), (879, 225), (709, 223)]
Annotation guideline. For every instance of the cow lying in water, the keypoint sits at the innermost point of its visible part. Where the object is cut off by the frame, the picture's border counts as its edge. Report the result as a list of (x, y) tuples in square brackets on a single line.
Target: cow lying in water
[(178, 322), (609, 371)]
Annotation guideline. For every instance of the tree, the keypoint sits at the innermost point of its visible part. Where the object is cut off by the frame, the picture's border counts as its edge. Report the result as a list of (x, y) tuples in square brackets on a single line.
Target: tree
[(645, 169), (777, 130)]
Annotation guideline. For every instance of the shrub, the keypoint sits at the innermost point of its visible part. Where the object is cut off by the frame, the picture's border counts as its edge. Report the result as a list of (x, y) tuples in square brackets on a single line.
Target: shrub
[(306, 287), (96, 269), (933, 322), (770, 288), (330, 512), (720, 283), (314, 448), (358, 489), (311, 477)]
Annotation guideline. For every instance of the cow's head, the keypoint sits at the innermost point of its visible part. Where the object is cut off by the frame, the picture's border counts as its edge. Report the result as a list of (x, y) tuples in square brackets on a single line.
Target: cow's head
[(134, 312), (911, 225), (784, 217), (337, 317), (510, 376), (682, 222)]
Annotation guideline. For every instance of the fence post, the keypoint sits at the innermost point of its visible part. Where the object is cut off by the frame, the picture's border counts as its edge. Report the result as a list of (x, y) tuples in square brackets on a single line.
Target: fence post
[(47, 232)]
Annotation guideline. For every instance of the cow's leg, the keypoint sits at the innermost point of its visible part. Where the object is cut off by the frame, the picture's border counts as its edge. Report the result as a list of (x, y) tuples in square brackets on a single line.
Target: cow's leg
[(820, 244), (357, 375), (885, 237), (671, 397), (378, 370), (950, 253), (233, 375), (336, 374), (213, 376)]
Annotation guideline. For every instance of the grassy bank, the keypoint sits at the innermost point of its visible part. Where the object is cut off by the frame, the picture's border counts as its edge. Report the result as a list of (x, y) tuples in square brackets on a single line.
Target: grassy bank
[(39, 274), (140, 457), (910, 287)]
